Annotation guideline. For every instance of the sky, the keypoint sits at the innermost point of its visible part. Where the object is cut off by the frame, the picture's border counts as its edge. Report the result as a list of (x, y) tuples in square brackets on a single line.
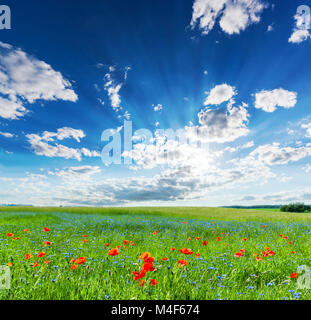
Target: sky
[(233, 77)]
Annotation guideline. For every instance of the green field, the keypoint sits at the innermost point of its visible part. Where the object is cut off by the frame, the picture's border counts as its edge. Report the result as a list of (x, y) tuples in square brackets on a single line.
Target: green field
[(220, 265)]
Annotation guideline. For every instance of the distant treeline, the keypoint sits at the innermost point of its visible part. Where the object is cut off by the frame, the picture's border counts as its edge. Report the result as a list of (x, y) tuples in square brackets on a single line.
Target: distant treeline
[(254, 207), (295, 207)]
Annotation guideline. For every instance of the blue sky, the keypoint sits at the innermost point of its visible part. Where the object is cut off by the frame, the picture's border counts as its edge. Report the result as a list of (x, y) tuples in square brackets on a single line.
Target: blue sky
[(237, 72)]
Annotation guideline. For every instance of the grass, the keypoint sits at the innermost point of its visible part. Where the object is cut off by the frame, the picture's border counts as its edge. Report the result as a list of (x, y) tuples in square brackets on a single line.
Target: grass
[(216, 274)]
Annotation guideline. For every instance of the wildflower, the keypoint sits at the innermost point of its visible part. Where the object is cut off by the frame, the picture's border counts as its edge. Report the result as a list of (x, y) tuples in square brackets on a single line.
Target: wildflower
[(72, 260), (41, 254), (293, 252), (271, 253), (258, 258), (145, 255), (189, 239), (107, 244), (10, 234), (84, 236), (197, 238), (244, 239), (153, 282), (184, 222), (186, 251), (238, 254), (46, 229), (125, 242), (286, 237), (46, 262), (281, 235), (47, 243), (141, 283), (255, 254), (84, 240), (154, 233), (182, 262), (173, 249), (26, 230), (293, 275), (218, 239), (204, 243), (263, 226), (113, 252), (164, 259), (28, 256), (242, 250), (74, 267), (290, 242), (80, 260), (17, 238), (198, 254), (35, 264), (10, 264)]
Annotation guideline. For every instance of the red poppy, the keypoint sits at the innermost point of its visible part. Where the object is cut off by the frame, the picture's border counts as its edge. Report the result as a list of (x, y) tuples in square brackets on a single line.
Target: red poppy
[(238, 254), (47, 243), (293, 275), (72, 260), (46, 261), (242, 250), (204, 243), (173, 249), (28, 256), (189, 239), (153, 282), (186, 251), (35, 264), (113, 252), (293, 252), (218, 239), (281, 235), (107, 244), (74, 267), (125, 242), (197, 238), (26, 230), (16, 238), (198, 254), (244, 239), (286, 237), (84, 236), (184, 222), (46, 229), (290, 242), (84, 240), (10, 234), (141, 283), (80, 260), (264, 226), (41, 254), (164, 259), (182, 262), (271, 253), (258, 258), (154, 233)]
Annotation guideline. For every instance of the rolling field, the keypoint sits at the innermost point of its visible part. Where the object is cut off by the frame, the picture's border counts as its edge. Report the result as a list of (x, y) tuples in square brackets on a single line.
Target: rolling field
[(153, 253)]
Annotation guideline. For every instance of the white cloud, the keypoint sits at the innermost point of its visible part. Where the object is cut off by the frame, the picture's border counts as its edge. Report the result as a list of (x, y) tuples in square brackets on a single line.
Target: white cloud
[(299, 34), (235, 16), (6, 134), (158, 107), (25, 79), (274, 154), (270, 28), (81, 172), (45, 144), (307, 126), (269, 100), (219, 94)]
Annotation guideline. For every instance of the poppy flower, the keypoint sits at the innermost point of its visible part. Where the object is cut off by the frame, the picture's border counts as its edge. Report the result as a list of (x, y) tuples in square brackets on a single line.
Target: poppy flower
[(153, 282), (204, 243), (113, 252), (141, 283), (263, 226), (41, 254), (84, 240), (173, 249), (164, 259), (258, 258), (264, 254), (46, 261), (255, 254), (293, 252), (125, 242), (182, 262), (80, 260), (189, 239), (197, 238), (286, 237), (46, 229), (290, 242), (107, 244), (72, 260), (35, 264), (293, 275), (238, 254), (155, 232), (184, 222), (271, 253), (10, 264), (242, 250), (28, 256), (186, 251), (198, 254), (84, 236), (10, 234), (144, 256), (74, 267), (26, 230), (16, 238), (244, 239), (148, 266), (281, 235), (218, 239), (47, 243)]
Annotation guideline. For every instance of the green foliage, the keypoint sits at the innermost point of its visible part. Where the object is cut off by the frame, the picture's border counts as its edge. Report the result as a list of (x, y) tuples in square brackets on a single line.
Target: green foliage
[(295, 207)]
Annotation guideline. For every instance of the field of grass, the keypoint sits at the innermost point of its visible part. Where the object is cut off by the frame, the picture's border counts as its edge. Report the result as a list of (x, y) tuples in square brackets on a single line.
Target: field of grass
[(234, 253)]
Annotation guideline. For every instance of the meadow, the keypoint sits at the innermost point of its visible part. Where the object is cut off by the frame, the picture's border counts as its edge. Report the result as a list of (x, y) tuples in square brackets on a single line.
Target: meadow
[(154, 253)]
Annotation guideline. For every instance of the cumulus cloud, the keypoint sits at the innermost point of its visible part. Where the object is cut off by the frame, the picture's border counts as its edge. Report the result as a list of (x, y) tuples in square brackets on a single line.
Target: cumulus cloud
[(300, 32), (24, 80), (45, 145), (81, 172), (158, 107), (219, 94), (234, 16), (269, 100), (307, 126), (274, 154)]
